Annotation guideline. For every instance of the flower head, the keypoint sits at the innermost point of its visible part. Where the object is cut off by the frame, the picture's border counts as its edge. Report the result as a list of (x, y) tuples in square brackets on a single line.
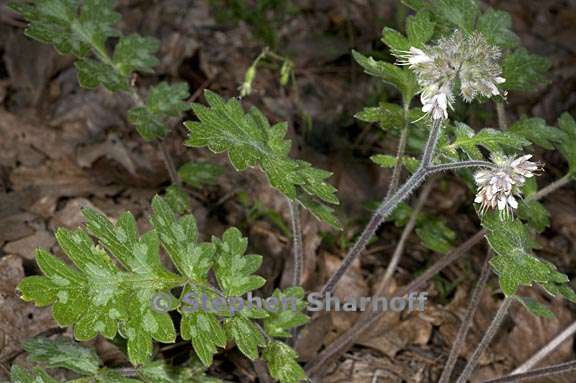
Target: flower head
[(498, 187), (461, 61)]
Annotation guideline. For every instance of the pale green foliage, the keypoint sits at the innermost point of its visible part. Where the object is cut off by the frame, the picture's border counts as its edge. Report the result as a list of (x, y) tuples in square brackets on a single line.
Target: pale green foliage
[(250, 141), (165, 100), (64, 353), (536, 131), (282, 363), (82, 29), (59, 22), (401, 78), (468, 141), (198, 174), (515, 263), (112, 285), (37, 375), (279, 323), (524, 71)]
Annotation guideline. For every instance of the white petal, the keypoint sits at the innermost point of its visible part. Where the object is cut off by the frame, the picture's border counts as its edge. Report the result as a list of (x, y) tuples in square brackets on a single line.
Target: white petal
[(499, 80), (501, 203), (512, 202)]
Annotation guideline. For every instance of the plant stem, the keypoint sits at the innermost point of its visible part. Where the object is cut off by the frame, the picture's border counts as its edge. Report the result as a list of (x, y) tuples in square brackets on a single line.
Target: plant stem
[(460, 165), (544, 372), (544, 352), (385, 208), (486, 339), (467, 322), (169, 163), (345, 340), (297, 251), (397, 171), (501, 113), (559, 183), (403, 238)]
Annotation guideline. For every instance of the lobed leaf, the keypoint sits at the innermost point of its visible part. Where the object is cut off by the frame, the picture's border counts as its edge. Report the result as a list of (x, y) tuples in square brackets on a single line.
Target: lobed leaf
[(524, 71), (535, 130), (467, 140), (164, 101), (250, 141), (403, 79), (62, 353), (233, 269), (282, 363), (291, 314), (514, 262)]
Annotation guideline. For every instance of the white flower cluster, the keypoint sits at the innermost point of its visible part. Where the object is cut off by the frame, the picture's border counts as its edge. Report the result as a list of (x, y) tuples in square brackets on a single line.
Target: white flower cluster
[(497, 187), (467, 60)]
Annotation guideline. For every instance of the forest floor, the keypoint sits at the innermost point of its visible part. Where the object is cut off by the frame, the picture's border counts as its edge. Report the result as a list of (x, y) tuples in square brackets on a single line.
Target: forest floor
[(63, 148)]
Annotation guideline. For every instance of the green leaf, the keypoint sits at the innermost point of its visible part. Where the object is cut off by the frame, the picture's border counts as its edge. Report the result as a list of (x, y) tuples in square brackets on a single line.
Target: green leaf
[(97, 297), (205, 332), (92, 73), (159, 372), (164, 101), (524, 71), (20, 375), (250, 141), (62, 353), (496, 27), (319, 210), (179, 238), (70, 29), (403, 79), (233, 269), (435, 234), (395, 40), (535, 130), (462, 13), (514, 262), (246, 335), (177, 198), (467, 140), (535, 214), (568, 145), (279, 322), (282, 363), (136, 53), (535, 307), (199, 174), (388, 161), (419, 28)]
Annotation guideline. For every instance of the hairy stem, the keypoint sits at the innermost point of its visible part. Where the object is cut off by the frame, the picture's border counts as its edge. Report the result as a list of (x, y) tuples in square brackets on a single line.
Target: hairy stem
[(397, 171), (297, 251), (544, 372), (467, 322), (501, 113), (486, 339), (559, 183), (546, 350), (381, 288), (386, 207), (460, 165)]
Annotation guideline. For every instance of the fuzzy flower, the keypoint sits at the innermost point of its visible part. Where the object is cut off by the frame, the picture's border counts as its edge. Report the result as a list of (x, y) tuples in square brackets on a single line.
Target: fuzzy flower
[(498, 187), (465, 64)]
